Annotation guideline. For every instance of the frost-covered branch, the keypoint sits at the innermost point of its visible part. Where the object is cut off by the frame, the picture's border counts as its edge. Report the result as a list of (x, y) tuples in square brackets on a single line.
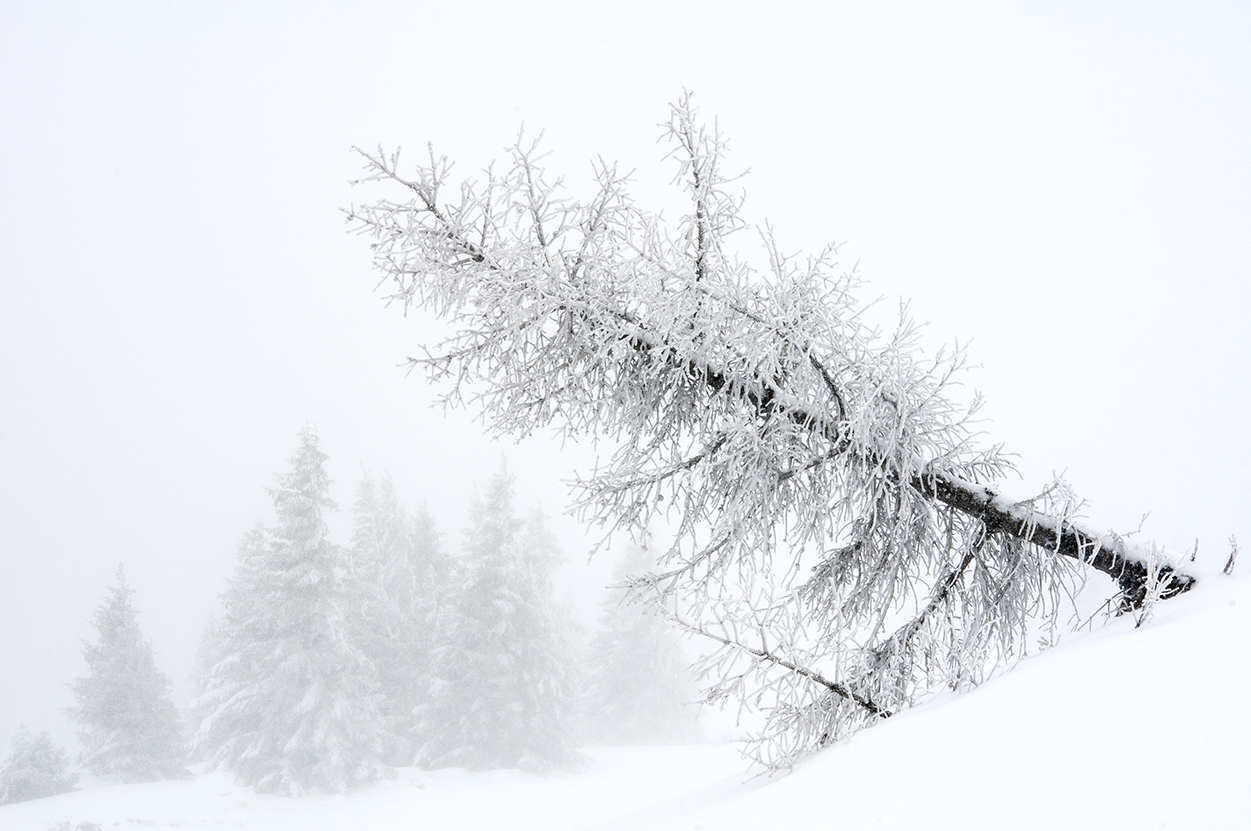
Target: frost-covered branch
[(765, 655)]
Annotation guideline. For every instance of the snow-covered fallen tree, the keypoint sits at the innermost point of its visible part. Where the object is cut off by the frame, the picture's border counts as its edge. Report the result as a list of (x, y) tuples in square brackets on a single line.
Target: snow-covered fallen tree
[(839, 533)]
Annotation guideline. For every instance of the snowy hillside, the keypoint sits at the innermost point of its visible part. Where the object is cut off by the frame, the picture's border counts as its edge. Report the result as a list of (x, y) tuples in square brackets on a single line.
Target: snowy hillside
[(1119, 728)]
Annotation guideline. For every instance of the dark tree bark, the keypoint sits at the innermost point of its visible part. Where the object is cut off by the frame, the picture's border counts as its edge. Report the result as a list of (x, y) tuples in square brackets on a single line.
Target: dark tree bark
[(1109, 556)]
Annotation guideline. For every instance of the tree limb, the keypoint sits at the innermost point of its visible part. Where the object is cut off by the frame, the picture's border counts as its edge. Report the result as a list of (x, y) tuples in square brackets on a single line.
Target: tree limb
[(812, 675)]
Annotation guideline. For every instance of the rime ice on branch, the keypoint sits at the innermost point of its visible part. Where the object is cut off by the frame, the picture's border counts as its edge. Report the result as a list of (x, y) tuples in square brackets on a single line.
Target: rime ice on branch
[(838, 530)]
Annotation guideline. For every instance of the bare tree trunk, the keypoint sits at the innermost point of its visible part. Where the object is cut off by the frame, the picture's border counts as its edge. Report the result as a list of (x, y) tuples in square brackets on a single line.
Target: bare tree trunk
[(1017, 520)]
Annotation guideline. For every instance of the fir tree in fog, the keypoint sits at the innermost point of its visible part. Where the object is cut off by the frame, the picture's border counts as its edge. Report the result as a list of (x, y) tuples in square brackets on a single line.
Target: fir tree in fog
[(640, 689), (503, 695), (129, 725), (35, 768), (398, 579), (289, 701)]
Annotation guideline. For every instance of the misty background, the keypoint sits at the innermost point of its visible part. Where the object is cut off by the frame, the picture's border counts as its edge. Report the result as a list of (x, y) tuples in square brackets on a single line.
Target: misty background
[(1067, 188)]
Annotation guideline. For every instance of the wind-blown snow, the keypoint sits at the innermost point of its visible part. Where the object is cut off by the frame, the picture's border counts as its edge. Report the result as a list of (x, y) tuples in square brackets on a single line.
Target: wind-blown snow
[(1114, 729)]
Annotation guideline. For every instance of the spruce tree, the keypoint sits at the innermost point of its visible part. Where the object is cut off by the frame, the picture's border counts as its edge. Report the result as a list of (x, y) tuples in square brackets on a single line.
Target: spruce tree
[(290, 702), (639, 689), (35, 768), (398, 579), (502, 696), (129, 725)]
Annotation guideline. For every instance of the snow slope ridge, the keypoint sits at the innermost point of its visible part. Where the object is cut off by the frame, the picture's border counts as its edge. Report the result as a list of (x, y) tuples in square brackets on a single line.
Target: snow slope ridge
[(1120, 728), (1115, 729)]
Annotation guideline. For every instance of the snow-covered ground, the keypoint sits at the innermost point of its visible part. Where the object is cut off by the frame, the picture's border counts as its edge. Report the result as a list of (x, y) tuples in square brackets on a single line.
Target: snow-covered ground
[(1115, 729)]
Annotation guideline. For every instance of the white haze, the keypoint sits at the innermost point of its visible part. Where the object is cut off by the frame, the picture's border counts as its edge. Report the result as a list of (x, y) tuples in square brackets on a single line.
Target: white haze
[(1121, 730), (1067, 186)]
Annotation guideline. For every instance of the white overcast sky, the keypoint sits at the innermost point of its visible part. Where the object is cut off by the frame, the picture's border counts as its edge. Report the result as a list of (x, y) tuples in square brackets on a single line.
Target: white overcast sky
[(1067, 186)]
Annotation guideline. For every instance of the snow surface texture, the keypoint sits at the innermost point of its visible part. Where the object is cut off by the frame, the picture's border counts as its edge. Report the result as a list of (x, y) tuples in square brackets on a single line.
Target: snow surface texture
[(1116, 729)]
